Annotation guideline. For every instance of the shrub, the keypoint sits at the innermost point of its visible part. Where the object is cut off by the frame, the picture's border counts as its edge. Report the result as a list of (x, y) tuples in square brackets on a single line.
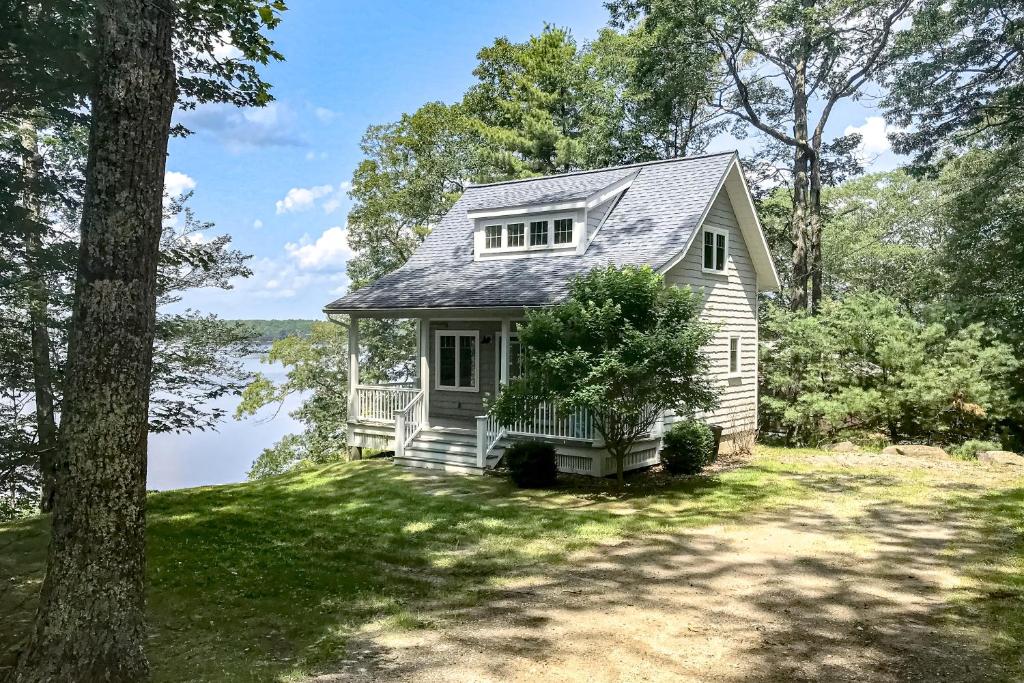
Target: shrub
[(688, 447), (532, 464), (969, 449)]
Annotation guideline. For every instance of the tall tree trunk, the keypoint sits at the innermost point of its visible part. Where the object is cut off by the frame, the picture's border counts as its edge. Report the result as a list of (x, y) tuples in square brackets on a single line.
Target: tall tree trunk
[(90, 624), (800, 187), (42, 370), (814, 232)]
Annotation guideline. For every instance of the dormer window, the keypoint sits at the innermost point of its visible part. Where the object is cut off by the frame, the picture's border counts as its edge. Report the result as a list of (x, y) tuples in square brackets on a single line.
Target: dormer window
[(538, 233), (492, 237), (522, 235), (516, 234), (563, 231)]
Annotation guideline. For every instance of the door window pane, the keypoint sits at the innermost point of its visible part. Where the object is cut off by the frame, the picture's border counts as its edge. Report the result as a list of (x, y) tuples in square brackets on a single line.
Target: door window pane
[(467, 361), (446, 370)]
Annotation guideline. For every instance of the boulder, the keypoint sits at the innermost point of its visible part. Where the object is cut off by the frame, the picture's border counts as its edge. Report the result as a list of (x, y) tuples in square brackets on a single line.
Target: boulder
[(916, 451), (1001, 458), (843, 447)]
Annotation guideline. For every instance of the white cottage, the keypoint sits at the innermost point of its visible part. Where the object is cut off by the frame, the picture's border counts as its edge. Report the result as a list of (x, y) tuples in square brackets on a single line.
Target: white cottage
[(505, 248)]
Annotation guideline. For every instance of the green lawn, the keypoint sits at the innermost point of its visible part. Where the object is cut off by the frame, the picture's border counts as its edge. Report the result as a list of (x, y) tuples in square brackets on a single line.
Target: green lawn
[(266, 581)]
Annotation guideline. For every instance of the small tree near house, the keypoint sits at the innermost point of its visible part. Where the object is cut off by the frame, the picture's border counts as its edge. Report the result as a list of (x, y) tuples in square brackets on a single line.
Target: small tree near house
[(622, 345)]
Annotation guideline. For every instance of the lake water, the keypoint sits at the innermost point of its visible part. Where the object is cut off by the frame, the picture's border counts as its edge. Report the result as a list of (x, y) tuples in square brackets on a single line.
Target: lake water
[(223, 456)]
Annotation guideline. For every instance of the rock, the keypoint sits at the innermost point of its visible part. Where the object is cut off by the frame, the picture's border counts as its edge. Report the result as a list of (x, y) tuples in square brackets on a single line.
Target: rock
[(1001, 458), (916, 451), (842, 447)]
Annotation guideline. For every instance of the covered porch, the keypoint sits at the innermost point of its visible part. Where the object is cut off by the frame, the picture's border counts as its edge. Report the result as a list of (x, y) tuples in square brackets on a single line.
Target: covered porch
[(462, 360)]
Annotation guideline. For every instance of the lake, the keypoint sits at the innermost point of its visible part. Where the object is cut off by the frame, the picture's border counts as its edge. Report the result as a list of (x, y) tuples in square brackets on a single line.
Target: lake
[(223, 456)]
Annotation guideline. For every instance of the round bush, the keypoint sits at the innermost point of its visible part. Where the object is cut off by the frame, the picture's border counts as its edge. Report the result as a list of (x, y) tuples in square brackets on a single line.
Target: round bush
[(688, 447), (532, 464)]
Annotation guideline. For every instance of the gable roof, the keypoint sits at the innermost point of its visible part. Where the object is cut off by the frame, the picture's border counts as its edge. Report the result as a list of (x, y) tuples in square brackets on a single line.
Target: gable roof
[(652, 223)]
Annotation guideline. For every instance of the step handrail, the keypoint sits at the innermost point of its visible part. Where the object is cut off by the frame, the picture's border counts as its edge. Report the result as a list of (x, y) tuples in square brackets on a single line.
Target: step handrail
[(408, 423)]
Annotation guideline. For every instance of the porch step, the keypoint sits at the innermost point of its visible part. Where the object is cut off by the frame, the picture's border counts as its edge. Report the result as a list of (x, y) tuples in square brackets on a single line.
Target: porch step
[(423, 463)]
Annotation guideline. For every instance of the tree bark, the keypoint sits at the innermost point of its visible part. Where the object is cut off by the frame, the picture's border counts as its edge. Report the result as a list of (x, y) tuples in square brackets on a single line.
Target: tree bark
[(814, 232), (42, 369), (801, 160), (90, 623)]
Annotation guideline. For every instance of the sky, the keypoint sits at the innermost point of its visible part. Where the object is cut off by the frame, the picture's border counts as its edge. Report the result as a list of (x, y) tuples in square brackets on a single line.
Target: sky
[(276, 178)]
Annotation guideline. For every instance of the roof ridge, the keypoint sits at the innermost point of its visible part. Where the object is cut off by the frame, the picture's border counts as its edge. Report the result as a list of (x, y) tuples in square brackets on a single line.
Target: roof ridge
[(638, 164)]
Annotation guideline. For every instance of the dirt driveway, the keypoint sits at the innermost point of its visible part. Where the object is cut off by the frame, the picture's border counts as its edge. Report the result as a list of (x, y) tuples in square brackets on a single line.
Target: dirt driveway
[(839, 587)]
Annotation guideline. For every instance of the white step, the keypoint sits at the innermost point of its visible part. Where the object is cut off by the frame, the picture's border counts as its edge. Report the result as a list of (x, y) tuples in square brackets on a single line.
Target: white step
[(437, 465)]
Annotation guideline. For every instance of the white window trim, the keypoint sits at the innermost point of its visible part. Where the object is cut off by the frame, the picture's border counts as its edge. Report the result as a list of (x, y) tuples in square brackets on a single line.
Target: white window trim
[(716, 232), (578, 227), (739, 356), (476, 359)]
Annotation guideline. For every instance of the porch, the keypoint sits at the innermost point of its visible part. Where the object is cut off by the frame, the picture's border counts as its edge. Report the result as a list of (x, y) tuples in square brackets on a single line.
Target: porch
[(438, 420)]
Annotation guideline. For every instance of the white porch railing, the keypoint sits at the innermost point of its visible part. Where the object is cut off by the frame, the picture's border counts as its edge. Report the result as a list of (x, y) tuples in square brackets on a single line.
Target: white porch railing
[(575, 424), (408, 423), (379, 403), (547, 422)]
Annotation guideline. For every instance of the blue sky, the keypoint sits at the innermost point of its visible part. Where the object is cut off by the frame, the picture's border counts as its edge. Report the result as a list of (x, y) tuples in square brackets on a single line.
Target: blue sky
[(275, 178)]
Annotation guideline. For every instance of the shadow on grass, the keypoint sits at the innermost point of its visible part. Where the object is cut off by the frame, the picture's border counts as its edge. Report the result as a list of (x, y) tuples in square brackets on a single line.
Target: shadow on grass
[(269, 580)]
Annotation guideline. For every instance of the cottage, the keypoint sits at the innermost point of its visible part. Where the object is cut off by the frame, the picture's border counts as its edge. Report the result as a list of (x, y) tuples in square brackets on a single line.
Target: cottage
[(508, 247)]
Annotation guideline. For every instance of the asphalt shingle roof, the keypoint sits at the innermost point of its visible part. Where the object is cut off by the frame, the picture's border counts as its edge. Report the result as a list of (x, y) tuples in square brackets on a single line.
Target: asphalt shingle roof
[(651, 223)]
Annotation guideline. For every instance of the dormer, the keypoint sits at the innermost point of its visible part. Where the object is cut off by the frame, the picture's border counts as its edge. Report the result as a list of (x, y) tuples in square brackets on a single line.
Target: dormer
[(562, 228)]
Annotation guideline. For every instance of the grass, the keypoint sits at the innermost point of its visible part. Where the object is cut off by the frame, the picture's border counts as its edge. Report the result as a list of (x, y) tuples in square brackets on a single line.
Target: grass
[(268, 580)]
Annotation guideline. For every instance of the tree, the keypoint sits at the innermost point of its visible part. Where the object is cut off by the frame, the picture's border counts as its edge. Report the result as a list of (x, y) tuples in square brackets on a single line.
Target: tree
[(666, 76), (90, 622), (883, 234), (780, 60), (865, 365), (958, 77), (623, 346), (529, 105), (317, 366)]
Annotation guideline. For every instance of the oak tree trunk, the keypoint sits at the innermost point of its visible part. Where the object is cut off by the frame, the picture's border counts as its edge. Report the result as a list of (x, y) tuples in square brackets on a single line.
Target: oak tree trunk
[(38, 312), (90, 623)]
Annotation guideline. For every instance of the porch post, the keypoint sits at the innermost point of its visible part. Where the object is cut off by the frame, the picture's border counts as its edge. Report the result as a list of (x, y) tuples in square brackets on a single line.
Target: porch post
[(353, 367), (424, 344), (506, 335)]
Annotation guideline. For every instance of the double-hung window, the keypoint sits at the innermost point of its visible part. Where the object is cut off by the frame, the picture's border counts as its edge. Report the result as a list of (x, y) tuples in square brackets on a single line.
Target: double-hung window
[(538, 233), (563, 231), (734, 356), (516, 234), (457, 360), (492, 237), (716, 250)]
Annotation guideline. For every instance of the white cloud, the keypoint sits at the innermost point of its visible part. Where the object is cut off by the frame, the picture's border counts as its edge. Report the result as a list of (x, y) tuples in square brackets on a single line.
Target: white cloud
[(257, 224), (274, 125), (176, 183), (313, 156), (330, 250), (874, 139), (302, 198), (324, 114)]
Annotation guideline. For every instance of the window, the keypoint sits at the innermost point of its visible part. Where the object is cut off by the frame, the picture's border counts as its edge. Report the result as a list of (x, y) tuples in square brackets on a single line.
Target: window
[(515, 358), (516, 234), (563, 231), (457, 360), (538, 233), (734, 355), (492, 237), (716, 249)]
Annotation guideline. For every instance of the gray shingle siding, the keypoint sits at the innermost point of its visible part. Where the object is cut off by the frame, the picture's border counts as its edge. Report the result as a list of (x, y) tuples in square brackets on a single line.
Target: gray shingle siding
[(649, 225)]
